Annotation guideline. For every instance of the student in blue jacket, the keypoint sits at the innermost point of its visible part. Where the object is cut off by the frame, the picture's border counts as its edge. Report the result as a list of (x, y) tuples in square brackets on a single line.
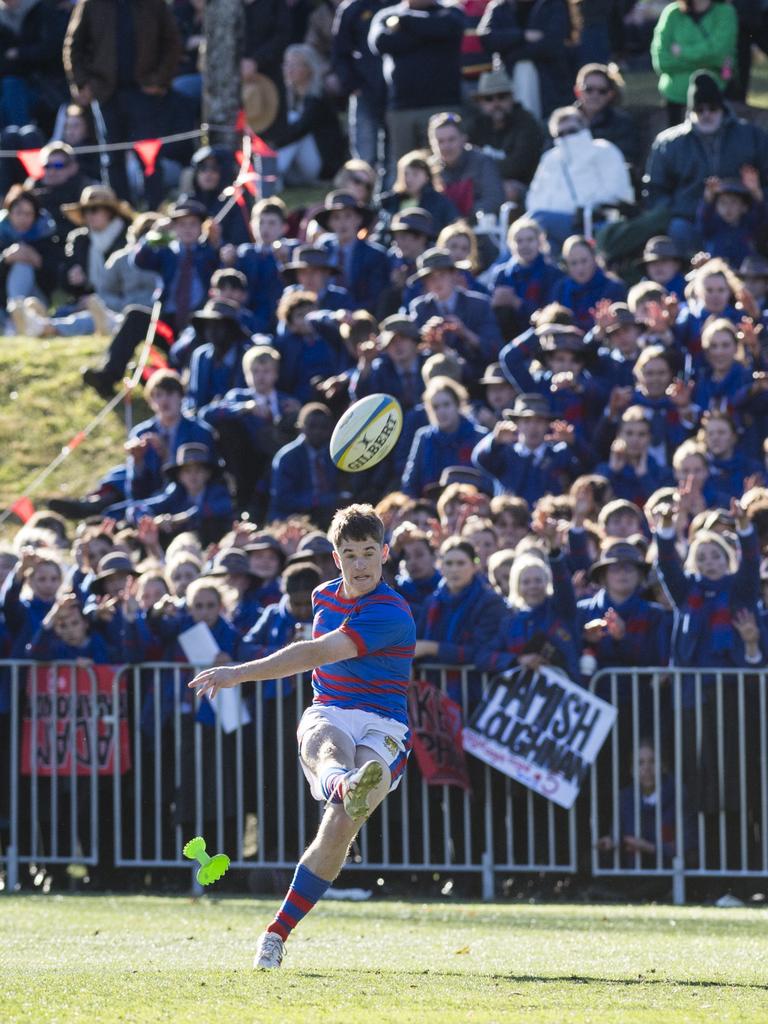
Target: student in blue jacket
[(620, 628), (304, 479), (586, 282), (538, 629), (253, 423), (363, 266), (526, 281), (461, 617), (258, 260), (155, 441), (708, 593), (231, 566), (282, 623), (522, 457), (27, 596), (195, 499), (313, 269), (205, 604), (185, 263), (306, 352), (65, 635), (418, 575), (449, 440), (217, 365), (397, 370), (459, 319)]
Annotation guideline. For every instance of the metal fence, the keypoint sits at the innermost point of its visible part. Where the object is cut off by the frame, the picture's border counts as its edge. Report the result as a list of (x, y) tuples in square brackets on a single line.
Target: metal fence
[(118, 767)]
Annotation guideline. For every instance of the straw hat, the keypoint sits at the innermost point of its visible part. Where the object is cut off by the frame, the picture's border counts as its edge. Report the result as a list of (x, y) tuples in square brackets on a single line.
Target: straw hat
[(97, 197), (261, 102)]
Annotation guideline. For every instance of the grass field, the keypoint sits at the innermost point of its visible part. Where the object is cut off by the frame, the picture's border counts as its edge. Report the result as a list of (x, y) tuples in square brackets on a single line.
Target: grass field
[(94, 960)]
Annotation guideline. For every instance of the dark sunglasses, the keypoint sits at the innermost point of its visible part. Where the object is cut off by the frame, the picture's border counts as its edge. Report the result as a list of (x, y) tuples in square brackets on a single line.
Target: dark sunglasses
[(706, 108), (568, 131), (56, 165), (495, 96), (601, 90)]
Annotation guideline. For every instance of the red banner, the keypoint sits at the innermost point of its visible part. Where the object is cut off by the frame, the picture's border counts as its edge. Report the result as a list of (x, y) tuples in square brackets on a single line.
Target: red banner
[(435, 722), (64, 722)]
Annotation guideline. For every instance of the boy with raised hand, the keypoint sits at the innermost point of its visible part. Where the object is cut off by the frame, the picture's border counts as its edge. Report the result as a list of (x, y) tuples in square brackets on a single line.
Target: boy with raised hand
[(354, 738)]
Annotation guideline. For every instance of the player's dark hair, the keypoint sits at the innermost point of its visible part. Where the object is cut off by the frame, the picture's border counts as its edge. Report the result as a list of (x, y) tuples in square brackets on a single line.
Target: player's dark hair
[(356, 522)]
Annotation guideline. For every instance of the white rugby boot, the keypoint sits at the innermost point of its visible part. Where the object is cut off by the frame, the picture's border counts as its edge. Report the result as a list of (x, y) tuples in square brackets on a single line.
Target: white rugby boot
[(270, 950), (358, 790)]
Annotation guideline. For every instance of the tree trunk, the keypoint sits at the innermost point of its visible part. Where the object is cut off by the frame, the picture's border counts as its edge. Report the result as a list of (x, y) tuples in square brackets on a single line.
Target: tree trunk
[(221, 73)]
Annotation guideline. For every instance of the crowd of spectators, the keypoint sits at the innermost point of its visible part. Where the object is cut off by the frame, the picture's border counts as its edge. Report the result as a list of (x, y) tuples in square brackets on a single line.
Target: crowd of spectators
[(573, 321)]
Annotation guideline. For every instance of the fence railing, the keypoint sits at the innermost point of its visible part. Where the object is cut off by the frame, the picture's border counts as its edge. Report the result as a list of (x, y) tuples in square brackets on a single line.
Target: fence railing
[(117, 767)]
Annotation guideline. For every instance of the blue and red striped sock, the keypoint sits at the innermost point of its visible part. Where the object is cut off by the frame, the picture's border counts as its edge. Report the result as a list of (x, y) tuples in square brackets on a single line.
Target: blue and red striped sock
[(332, 783), (304, 892)]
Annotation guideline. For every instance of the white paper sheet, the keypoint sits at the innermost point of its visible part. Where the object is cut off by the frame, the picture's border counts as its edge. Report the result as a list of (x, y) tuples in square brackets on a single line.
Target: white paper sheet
[(200, 648)]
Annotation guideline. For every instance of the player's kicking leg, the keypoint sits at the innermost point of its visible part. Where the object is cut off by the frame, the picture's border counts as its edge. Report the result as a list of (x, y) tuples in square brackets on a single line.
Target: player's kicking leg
[(354, 781)]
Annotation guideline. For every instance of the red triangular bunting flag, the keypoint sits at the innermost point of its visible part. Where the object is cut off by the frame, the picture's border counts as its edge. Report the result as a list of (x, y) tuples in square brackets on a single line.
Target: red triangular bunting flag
[(260, 148), (148, 150), (31, 162), (23, 508), (163, 330)]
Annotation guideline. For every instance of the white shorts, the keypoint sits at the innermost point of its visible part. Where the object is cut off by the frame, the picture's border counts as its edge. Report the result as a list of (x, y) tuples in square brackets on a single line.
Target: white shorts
[(388, 738)]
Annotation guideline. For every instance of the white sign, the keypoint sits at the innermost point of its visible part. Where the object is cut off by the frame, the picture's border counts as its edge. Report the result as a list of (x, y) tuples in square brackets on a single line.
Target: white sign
[(541, 729), (200, 649)]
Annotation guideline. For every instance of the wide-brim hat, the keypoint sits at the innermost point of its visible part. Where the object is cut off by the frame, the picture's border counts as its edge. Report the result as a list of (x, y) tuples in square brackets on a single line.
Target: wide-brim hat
[(192, 454), (261, 102), (754, 266), (467, 475), (97, 197), (435, 259), (661, 247), (623, 317), (231, 561), (560, 337), (187, 207), (221, 311), (528, 406), (492, 83), (316, 542), (111, 565), (309, 257), (343, 200), (398, 325), (493, 375), (615, 554), (266, 542), (415, 220)]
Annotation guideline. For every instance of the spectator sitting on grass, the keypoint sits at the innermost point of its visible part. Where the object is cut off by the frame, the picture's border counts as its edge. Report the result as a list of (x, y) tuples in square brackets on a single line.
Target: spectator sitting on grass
[(28, 254)]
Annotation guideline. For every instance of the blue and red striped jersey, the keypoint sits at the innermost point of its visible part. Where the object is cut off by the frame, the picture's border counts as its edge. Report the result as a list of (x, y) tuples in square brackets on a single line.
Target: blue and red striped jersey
[(382, 628)]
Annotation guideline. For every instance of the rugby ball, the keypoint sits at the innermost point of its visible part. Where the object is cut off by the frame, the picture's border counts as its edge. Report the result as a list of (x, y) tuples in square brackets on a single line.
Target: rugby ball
[(366, 433)]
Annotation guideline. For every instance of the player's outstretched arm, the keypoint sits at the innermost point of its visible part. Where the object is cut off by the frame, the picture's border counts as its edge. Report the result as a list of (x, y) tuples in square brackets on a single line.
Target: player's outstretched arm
[(299, 657)]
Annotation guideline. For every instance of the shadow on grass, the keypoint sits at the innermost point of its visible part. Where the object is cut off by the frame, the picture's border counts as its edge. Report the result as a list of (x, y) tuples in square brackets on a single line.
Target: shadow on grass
[(550, 979)]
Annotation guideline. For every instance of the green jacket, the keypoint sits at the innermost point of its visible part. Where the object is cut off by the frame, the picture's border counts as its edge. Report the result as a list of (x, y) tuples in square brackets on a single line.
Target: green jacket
[(709, 44)]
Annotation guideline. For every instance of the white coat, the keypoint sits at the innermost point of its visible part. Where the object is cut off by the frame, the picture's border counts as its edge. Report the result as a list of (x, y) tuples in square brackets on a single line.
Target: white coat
[(580, 172)]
